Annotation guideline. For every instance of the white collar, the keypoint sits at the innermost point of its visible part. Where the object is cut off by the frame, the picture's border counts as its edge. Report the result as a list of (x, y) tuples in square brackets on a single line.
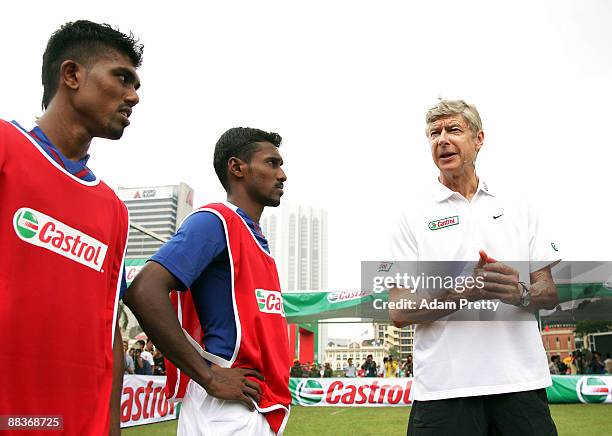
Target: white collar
[(442, 192)]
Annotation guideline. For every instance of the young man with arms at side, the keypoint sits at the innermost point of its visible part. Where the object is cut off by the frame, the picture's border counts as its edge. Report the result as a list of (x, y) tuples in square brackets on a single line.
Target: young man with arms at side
[(221, 257), (64, 234)]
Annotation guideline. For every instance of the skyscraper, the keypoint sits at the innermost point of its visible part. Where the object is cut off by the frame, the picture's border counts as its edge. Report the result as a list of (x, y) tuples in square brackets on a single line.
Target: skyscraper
[(159, 209), (297, 235)]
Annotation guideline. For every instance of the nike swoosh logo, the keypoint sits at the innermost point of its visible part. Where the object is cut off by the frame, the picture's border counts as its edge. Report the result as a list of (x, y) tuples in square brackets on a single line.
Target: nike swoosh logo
[(495, 217)]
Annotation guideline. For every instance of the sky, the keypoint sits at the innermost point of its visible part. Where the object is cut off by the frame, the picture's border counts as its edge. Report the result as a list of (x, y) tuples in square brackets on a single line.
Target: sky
[(347, 86)]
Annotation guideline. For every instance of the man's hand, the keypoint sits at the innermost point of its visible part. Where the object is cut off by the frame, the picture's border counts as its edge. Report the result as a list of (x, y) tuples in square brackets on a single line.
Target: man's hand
[(233, 384), (475, 292), (501, 282)]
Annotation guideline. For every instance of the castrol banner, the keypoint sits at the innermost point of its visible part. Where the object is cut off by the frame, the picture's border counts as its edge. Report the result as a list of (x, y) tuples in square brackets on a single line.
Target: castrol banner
[(376, 392), (587, 389), (144, 401), (358, 392)]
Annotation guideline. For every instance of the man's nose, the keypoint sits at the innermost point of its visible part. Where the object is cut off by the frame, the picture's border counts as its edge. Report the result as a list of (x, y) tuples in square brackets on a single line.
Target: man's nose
[(443, 137), (132, 98), (282, 176)]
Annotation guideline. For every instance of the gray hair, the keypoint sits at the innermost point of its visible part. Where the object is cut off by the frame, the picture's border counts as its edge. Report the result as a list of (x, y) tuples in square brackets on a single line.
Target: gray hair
[(446, 108)]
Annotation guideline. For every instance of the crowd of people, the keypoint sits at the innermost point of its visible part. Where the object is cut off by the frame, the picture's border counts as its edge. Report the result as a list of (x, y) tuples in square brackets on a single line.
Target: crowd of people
[(581, 363), (390, 367), (143, 358)]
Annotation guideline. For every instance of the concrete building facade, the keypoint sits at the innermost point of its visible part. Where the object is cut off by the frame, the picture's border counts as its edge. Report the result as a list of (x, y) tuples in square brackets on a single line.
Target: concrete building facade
[(159, 209), (338, 351), (400, 338)]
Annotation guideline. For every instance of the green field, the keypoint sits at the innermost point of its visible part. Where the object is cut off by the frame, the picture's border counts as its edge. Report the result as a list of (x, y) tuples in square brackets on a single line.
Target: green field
[(571, 420)]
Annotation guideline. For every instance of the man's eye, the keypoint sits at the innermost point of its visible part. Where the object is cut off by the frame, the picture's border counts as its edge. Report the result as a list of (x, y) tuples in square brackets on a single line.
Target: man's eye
[(122, 78)]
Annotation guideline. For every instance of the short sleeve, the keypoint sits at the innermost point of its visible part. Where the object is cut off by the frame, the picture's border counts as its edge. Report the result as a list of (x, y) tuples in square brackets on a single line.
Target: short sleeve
[(123, 286), (199, 240), (543, 248)]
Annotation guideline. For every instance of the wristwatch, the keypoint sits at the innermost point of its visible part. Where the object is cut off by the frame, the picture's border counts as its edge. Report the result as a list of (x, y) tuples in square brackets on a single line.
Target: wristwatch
[(525, 294)]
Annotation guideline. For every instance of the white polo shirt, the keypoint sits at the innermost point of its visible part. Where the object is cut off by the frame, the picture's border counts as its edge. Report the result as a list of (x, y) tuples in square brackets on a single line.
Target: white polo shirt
[(480, 357)]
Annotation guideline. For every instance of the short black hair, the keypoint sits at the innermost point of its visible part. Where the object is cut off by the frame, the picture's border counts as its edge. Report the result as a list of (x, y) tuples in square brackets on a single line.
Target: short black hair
[(82, 41), (240, 142), (140, 341)]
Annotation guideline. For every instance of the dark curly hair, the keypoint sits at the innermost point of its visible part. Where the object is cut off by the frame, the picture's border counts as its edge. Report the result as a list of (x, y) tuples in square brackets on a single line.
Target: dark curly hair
[(240, 142), (82, 41)]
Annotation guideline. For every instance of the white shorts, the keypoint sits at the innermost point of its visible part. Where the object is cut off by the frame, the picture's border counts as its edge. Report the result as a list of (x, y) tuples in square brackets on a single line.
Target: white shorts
[(204, 415)]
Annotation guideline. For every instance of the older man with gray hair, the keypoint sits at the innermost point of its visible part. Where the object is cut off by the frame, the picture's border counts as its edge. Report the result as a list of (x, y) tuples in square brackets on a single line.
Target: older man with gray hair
[(482, 371)]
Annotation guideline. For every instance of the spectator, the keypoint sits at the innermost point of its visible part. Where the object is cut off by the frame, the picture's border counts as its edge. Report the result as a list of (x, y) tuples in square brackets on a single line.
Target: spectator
[(561, 365), (160, 366), (314, 370), (296, 369), (608, 363), (391, 368), (150, 347), (144, 353), (381, 370), (577, 364), (408, 366), (597, 366), (141, 366), (350, 370), (328, 371), (128, 361), (553, 367), (306, 370), (369, 367)]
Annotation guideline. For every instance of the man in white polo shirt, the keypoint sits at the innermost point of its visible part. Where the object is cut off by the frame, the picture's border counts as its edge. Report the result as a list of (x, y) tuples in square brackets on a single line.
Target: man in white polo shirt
[(482, 371)]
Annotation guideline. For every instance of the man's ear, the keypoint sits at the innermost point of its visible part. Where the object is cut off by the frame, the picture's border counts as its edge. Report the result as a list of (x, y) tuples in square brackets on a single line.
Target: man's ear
[(71, 74), (236, 167), (479, 141)]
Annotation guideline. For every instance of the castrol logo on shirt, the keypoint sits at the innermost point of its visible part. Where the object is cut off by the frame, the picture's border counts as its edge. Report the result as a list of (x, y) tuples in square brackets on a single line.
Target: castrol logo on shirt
[(41, 230), (443, 222), (270, 301)]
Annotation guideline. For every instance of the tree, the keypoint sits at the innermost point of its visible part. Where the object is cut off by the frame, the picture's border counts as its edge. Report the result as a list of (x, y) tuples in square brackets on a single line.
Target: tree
[(123, 317), (586, 327), (394, 351)]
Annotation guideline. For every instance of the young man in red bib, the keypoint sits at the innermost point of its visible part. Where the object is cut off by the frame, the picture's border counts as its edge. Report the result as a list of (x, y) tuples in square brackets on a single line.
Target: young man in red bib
[(230, 338), (63, 240)]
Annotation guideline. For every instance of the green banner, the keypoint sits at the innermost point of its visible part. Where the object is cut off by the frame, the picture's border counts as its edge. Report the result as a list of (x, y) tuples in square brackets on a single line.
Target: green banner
[(580, 389), (578, 291)]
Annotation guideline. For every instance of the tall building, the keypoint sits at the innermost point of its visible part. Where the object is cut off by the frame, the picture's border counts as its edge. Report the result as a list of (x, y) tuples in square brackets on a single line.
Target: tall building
[(297, 236), (401, 338), (159, 209)]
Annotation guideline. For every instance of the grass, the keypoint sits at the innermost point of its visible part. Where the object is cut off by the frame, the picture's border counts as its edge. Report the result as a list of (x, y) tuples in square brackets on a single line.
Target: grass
[(571, 420)]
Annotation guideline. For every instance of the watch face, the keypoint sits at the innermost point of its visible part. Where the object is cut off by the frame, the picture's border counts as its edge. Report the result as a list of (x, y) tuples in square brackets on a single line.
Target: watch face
[(525, 300), (525, 294)]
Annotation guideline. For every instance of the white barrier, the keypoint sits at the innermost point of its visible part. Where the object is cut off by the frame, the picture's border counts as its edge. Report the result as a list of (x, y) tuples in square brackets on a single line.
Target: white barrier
[(144, 401)]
